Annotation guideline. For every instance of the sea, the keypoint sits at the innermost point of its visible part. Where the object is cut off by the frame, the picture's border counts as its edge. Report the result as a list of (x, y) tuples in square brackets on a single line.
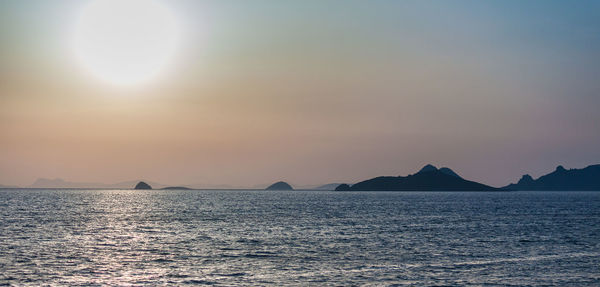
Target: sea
[(52, 237)]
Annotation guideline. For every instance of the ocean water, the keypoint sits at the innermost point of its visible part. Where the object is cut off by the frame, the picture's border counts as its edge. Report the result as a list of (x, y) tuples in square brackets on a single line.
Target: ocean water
[(224, 238)]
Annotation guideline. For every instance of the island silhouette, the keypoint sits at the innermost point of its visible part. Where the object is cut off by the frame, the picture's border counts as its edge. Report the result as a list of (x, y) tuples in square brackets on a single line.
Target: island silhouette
[(587, 178), (280, 185), (429, 178), (142, 185)]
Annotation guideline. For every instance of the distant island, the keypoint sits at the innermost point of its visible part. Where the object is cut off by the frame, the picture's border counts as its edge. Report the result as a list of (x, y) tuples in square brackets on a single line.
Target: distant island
[(562, 179), (8, 186), (280, 185), (429, 178), (142, 185)]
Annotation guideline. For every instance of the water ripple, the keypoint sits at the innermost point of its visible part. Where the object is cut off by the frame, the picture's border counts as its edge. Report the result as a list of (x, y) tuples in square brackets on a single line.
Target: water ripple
[(225, 238)]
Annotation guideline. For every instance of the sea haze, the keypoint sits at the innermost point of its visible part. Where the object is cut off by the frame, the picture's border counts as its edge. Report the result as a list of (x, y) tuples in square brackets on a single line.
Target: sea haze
[(179, 237)]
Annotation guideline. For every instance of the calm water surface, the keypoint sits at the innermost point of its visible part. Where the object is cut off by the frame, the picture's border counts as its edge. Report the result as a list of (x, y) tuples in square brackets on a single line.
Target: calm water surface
[(125, 237)]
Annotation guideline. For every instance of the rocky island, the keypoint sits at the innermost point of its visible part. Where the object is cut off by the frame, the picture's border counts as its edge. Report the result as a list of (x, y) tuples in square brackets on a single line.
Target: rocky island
[(280, 185), (429, 178), (142, 185), (562, 179)]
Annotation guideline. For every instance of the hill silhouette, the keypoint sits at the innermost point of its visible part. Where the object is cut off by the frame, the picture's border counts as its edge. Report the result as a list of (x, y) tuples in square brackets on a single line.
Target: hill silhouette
[(142, 185), (562, 179), (429, 178), (280, 185)]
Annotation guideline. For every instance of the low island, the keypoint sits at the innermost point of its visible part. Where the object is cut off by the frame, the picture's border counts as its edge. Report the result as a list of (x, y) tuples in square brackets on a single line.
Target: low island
[(429, 178), (280, 185), (142, 185)]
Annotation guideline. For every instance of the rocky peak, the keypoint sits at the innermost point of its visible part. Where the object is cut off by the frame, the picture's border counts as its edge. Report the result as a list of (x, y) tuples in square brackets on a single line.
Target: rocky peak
[(142, 185), (526, 179), (428, 168)]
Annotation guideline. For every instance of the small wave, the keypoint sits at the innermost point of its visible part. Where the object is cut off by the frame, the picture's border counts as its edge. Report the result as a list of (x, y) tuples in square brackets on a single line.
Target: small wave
[(229, 249), (197, 281), (451, 265), (257, 256), (519, 259), (527, 240), (249, 241), (177, 275), (162, 260), (260, 255), (237, 274)]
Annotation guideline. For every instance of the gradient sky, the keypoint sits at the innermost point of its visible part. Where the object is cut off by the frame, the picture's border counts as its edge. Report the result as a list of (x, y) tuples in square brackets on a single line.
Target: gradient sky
[(310, 92)]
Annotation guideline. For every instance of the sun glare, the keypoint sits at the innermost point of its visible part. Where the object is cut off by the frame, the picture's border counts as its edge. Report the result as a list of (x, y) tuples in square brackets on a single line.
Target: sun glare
[(125, 42)]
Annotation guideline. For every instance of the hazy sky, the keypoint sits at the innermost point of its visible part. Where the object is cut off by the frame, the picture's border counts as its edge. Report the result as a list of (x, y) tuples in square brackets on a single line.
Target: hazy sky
[(309, 92)]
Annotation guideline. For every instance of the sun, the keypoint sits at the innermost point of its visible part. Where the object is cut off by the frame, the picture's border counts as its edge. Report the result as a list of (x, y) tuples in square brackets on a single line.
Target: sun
[(125, 42)]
